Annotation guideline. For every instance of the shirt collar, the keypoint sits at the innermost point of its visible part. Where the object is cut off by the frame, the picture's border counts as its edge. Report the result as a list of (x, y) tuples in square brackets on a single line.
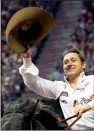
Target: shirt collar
[(81, 77)]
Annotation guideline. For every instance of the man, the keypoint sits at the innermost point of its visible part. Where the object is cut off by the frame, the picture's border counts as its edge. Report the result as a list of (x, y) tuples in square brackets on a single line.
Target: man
[(76, 93)]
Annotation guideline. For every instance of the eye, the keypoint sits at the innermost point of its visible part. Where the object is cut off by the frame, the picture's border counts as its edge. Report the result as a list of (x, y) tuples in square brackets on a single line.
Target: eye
[(73, 60), (65, 62)]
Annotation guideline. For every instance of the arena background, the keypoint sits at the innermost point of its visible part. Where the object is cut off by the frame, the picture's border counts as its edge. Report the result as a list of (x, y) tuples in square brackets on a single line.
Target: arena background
[(74, 27)]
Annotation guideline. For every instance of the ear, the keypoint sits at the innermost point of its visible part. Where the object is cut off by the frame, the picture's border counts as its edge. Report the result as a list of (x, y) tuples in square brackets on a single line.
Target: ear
[(84, 65)]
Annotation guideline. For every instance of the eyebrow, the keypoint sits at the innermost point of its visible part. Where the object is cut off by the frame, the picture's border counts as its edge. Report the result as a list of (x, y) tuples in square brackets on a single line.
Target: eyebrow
[(70, 58)]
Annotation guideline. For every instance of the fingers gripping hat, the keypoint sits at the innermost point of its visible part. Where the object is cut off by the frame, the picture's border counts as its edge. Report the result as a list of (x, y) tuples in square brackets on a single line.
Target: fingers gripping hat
[(28, 26)]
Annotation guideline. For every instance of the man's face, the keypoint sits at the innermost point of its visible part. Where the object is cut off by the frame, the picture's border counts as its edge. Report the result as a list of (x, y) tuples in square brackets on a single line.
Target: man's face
[(72, 65)]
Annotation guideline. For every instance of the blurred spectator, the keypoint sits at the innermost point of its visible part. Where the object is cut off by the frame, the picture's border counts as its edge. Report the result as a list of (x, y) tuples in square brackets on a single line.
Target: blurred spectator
[(73, 41), (90, 16), (89, 26), (83, 10), (58, 74), (82, 22)]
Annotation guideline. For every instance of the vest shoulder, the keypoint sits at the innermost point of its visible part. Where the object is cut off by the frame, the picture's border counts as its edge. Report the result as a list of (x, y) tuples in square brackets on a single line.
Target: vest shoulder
[(90, 77)]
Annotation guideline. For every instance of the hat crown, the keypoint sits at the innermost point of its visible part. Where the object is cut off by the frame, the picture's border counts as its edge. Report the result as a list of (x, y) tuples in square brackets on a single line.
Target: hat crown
[(29, 31)]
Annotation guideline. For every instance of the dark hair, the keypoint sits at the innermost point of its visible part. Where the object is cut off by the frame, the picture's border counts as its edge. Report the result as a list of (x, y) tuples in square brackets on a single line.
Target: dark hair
[(79, 52)]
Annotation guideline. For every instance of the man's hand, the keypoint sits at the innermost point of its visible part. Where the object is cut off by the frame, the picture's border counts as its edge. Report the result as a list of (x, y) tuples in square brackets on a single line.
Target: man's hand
[(78, 108), (27, 54)]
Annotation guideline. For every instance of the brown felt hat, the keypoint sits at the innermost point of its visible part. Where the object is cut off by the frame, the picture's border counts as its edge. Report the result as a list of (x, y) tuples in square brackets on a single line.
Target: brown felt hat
[(28, 26)]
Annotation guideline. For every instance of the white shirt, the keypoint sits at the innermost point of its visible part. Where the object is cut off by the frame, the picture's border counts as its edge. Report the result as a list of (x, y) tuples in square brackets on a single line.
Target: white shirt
[(82, 92)]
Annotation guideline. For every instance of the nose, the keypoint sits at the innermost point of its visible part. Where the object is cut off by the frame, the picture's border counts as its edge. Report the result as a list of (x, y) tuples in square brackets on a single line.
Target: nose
[(69, 63), (69, 66)]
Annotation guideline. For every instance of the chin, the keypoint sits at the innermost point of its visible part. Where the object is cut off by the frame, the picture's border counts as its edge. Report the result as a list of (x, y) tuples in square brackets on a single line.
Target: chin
[(71, 73)]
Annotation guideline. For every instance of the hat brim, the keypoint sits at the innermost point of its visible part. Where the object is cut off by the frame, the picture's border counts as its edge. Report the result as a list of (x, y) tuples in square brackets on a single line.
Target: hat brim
[(45, 19)]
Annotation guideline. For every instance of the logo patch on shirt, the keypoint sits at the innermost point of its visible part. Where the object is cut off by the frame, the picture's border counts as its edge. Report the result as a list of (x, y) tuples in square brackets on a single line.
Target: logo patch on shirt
[(64, 101), (85, 101), (86, 84), (64, 93), (81, 89)]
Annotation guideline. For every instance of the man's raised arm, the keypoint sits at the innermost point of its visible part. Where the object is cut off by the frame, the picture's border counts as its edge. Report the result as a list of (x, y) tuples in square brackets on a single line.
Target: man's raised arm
[(29, 72)]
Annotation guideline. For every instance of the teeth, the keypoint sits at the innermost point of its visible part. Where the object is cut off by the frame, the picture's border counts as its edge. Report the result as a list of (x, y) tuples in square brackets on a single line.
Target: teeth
[(70, 69)]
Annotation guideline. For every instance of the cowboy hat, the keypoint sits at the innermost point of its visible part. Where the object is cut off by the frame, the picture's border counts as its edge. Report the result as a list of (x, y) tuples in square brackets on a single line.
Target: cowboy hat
[(28, 26)]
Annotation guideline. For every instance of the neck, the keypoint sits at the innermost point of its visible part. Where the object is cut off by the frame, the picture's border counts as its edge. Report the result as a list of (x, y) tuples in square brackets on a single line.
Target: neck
[(73, 81)]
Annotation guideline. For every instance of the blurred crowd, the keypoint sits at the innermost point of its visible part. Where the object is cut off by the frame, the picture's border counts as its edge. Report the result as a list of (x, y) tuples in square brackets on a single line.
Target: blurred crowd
[(12, 85), (82, 38)]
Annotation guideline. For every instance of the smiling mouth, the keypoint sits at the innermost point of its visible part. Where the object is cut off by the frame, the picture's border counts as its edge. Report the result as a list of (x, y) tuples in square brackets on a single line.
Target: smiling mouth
[(70, 69)]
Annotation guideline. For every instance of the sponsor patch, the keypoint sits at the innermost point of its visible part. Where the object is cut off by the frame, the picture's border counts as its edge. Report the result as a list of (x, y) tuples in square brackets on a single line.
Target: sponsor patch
[(64, 93), (85, 100), (64, 101), (81, 89), (86, 84)]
